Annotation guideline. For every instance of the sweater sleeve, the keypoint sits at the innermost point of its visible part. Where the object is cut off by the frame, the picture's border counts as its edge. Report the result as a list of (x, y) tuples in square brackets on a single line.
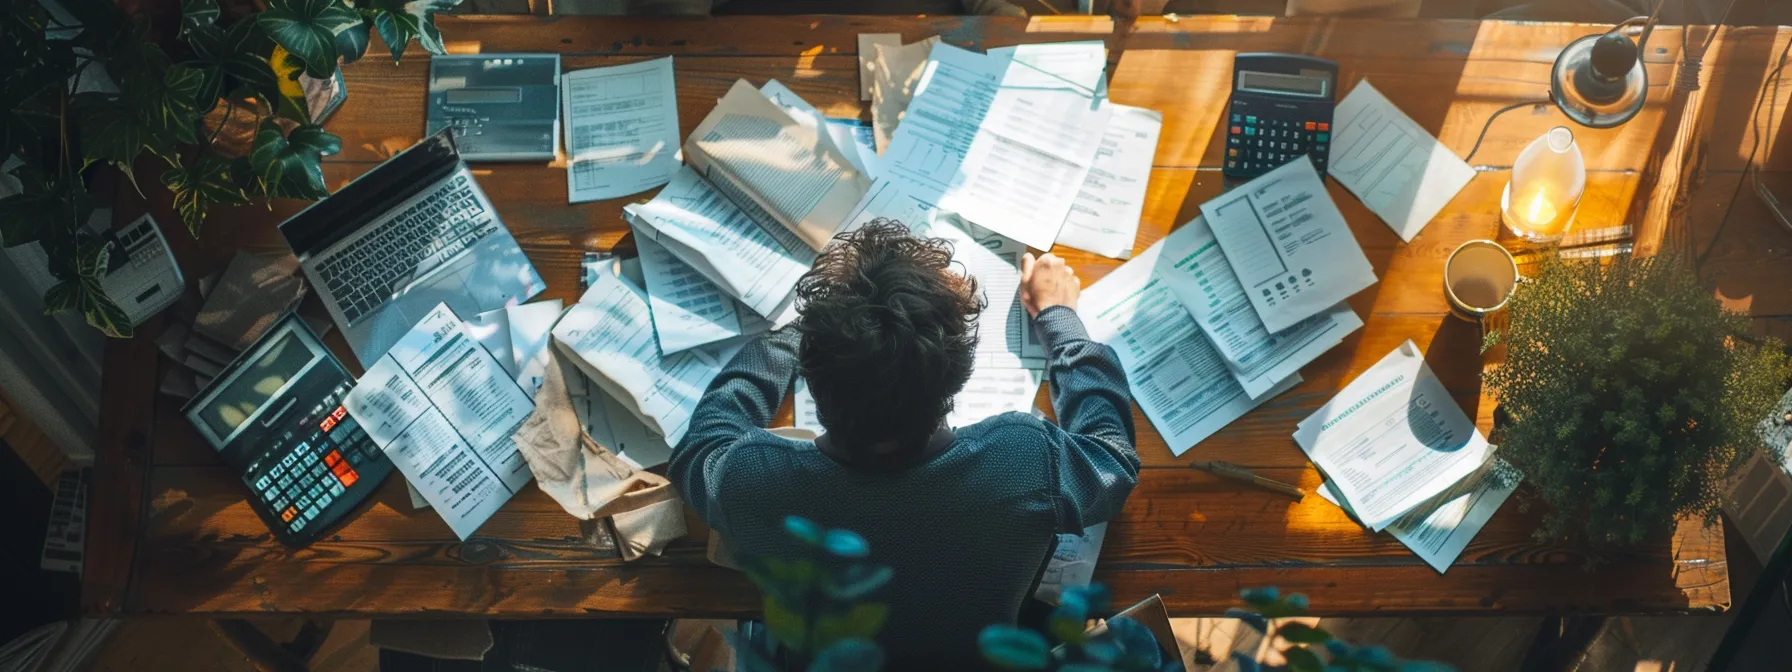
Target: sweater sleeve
[(1097, 463), (735, 409)]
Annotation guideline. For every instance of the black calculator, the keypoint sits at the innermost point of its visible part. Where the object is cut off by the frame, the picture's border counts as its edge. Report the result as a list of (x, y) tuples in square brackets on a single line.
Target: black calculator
[(1281, 110), (276, 416)]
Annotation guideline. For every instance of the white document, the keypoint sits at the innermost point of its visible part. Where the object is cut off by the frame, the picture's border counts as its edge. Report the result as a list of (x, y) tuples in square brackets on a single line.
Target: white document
[(442, 408), (621, 129), (859, 141), (530, 324), (1002, 150), (609, 335), (774, 166), (689, 310), (990, 392), (1080, 65), (1072, 563), (492, 330), (896, 71), (840, 134), (755, 262), (1007, 338), (1400, 171), (1440, 528), (614, 427), (1195, 269), (1105, 217), (1289, 245), (1176, 375), (1392, 438)]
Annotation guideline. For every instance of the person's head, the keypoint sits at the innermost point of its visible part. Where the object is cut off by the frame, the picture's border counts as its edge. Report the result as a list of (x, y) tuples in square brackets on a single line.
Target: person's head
[(889, 334)]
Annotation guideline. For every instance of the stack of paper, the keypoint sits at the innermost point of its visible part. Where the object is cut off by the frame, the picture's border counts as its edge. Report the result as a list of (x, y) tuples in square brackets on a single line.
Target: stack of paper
[(1402, 456), (444, 410)]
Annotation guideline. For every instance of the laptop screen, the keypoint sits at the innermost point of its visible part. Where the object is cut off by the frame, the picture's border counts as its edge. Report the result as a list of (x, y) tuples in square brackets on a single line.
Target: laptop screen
[(371, 195)]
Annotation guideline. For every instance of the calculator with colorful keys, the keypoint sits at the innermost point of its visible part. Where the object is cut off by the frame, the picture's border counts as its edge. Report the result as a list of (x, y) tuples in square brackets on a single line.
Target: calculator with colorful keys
[(275, 415), (1281, 110)]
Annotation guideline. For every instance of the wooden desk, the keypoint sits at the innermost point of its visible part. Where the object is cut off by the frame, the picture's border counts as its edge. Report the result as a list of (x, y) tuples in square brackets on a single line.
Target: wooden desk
[(172, 534)]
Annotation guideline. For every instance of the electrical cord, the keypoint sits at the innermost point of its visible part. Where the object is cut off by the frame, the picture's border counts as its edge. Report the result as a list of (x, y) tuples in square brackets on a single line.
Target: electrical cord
[(1753, 169), (1489, 125)]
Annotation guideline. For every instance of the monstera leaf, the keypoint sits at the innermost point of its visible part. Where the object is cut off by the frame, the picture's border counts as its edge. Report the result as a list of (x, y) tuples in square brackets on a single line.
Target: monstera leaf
[(167, 105), (352, 43), (291, 165), (399, 22), (308, 29), (241, 54), (210, 180)]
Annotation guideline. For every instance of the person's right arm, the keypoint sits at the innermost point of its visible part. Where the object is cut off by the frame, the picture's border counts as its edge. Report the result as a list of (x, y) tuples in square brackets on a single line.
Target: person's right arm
[(1098, 464)]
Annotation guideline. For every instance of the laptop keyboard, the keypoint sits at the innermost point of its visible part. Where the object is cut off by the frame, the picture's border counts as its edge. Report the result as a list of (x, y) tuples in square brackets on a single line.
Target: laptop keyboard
[(368, 272)]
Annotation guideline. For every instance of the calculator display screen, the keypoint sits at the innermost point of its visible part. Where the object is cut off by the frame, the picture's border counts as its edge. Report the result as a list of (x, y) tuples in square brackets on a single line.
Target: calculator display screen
[(1271, 82), (278, 360)]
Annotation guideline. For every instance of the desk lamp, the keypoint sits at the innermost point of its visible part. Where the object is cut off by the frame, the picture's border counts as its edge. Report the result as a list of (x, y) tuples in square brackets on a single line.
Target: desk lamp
[(1599, 80)]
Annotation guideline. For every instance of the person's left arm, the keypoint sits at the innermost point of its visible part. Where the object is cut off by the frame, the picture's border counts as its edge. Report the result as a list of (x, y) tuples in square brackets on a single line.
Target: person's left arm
[(739, 403)]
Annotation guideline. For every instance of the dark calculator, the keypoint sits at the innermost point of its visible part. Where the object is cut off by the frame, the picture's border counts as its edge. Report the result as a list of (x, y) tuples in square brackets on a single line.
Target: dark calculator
[(1281, 110), (276, 416)]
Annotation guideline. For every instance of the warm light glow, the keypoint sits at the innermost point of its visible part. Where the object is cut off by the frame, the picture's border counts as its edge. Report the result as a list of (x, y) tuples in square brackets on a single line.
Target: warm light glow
[(1541, 211)]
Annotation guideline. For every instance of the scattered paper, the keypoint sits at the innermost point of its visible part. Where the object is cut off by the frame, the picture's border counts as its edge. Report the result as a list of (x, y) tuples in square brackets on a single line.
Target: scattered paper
[(1007, 338), (689, 310), (1389, 161), (841, 135), (1289, 245), (1176, 375), (530, 325), (1440, 528), (621, 129), (443, 410), (989, 392), (862, 141), (775, 167), (757, 263), (897, 71), (1392, 438), (868, 57), (609, 335), (491, 329), (1072, 563), (1105, 217), (1195, 269)]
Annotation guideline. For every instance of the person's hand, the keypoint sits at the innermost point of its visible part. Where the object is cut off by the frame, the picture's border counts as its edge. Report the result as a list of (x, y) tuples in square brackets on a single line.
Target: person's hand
[(1046, 282)]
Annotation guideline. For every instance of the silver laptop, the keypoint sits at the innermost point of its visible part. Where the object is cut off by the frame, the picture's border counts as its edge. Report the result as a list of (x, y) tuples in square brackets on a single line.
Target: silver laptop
[(411, 233)]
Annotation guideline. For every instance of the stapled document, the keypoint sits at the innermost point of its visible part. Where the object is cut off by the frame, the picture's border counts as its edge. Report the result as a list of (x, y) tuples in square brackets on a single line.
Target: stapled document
[(1398, 169), (1176, 375), (1289, 245), (1195, 269), (621, 129), (442, 408), (1392, 438), (1440, 528)]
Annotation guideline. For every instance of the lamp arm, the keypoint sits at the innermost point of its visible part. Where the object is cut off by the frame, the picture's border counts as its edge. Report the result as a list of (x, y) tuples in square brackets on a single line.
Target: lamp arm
[(1649, 27)]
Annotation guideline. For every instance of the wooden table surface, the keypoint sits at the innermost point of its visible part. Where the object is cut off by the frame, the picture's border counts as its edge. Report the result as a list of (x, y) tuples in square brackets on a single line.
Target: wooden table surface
[(171, 532)]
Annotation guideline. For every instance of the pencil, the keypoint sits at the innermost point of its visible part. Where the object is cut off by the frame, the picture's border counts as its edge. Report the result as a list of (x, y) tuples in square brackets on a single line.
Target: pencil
[(1243, 475)]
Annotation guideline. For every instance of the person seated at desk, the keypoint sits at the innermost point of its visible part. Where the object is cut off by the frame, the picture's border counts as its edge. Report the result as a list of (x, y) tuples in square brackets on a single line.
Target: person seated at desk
[(886, 338)]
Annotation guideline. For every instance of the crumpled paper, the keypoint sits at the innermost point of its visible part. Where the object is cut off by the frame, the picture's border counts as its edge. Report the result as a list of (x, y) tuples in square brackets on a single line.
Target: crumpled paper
[(590, 481)]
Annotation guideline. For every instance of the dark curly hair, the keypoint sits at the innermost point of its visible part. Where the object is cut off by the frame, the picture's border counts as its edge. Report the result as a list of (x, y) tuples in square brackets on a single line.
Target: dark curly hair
[(889, 335)]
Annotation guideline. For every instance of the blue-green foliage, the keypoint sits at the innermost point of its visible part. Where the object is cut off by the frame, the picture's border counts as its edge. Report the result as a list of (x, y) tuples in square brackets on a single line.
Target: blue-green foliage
[(1125, 645), (815, 605), (1310, 649)]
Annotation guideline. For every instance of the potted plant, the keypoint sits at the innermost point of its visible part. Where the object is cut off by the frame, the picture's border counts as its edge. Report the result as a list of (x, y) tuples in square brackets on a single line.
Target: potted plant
[(1627, 394), (91, 84)]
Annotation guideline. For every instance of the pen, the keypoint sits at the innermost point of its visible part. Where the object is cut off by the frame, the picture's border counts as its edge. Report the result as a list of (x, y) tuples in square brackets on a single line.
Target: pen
[(1237, 473)]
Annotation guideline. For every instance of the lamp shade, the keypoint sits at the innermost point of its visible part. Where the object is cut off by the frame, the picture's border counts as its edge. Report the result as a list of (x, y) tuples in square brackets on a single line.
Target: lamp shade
[(1599, 81)]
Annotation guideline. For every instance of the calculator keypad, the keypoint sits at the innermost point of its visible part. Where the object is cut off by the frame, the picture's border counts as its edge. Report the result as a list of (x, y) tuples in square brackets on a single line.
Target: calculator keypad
[(311, 475), (1257, 145)]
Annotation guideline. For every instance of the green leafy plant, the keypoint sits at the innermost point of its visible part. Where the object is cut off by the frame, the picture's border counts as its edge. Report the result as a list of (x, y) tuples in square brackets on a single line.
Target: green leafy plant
[(61, 121), (817, 606), (1122, 644), (1307, 648), (1630, 393)]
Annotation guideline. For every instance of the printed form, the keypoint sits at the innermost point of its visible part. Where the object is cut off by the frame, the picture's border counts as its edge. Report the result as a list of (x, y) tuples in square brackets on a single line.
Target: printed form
[(841, 134), (989, 393), (1002, 150), (1438, 530), (1176, 375), (688, 310), (1400, 171), (756, 262), (443, 410), (609, 335), (1289, 245), (1105, 217), (1195, 269), (621, 129), (1393, 438)]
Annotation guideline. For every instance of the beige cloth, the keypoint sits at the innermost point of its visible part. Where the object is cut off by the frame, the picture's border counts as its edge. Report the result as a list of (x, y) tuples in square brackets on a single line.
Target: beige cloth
[(590, 481)]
